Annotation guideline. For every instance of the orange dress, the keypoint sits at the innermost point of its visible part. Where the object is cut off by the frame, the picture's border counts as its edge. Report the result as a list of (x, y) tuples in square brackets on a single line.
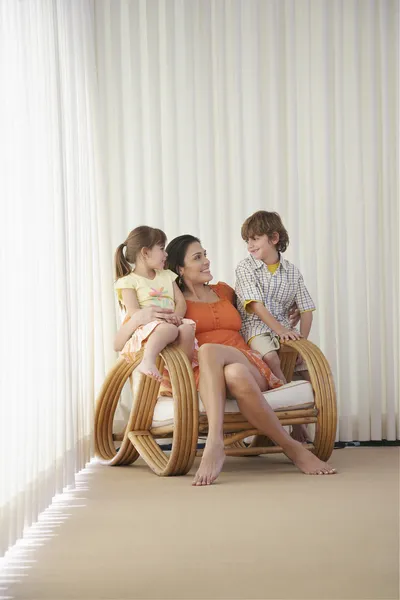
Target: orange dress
[(219, 323)]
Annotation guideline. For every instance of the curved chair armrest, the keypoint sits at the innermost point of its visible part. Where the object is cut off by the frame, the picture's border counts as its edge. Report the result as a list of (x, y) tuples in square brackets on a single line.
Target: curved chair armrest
[(319, 369), (141, 416), (324, 393)]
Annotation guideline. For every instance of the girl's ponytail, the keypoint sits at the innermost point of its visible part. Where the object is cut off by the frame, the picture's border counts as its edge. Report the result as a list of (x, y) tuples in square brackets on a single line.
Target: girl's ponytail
[(122, 266)]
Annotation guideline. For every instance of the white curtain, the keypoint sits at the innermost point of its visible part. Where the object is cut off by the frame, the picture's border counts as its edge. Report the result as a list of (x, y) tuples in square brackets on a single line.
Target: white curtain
[(187, 115), (56, 301), (215, 108)]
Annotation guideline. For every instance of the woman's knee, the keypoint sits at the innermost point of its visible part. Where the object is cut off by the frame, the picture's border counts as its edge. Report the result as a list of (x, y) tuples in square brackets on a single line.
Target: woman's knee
[(208, 351), (236, 375)]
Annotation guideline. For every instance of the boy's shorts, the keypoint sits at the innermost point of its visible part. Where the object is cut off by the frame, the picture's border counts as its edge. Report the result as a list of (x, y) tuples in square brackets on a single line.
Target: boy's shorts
[(265, 343)]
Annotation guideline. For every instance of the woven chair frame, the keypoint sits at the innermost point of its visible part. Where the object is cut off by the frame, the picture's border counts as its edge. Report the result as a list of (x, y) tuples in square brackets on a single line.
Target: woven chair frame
[(139, 437)]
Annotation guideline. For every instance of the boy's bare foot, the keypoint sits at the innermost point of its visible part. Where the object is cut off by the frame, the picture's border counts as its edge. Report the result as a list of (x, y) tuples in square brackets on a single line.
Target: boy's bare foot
[(148, 368), (299, 433), (211, 464), (308, 463)]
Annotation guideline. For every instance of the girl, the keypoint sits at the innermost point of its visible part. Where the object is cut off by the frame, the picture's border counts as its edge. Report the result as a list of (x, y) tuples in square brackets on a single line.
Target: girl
[(145, 285)]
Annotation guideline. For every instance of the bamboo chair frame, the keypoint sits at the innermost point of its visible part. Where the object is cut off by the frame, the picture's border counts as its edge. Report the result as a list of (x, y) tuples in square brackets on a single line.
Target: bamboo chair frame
[(139, 437)]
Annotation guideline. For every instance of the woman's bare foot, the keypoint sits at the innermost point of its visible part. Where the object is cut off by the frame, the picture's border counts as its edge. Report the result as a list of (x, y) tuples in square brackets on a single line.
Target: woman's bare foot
[(211, 464), (300, 434), (148, 368), (308, 463)]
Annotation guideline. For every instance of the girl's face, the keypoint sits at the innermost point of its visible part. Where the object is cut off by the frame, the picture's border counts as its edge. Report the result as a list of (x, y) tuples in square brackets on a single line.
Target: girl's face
[(156, 257), (196, 269)]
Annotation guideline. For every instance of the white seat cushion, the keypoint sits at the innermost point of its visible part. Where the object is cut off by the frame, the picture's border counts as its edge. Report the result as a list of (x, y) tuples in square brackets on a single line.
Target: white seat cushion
[(295, 395)]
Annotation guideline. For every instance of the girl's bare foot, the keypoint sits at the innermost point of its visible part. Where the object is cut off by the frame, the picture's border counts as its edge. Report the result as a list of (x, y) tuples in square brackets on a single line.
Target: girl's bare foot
[(308, 463), (148, 368), (211, 464)]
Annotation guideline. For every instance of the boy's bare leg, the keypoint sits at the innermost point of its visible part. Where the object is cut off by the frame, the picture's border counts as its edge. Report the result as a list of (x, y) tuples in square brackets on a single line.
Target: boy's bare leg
[(273, 361), (299, 432)]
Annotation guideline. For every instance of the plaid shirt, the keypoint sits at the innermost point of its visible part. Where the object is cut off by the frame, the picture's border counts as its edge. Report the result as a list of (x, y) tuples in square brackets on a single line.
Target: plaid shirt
[(277, 292)]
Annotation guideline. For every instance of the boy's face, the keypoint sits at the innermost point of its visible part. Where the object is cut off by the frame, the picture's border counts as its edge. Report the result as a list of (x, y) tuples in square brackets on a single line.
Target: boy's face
[(261, 247)]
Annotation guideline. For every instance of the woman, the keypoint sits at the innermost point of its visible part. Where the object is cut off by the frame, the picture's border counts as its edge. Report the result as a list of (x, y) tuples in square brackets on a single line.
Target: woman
[(226, 363)]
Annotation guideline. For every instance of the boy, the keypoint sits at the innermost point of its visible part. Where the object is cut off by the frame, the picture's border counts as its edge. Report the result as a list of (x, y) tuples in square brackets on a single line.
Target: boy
[(267, 285)]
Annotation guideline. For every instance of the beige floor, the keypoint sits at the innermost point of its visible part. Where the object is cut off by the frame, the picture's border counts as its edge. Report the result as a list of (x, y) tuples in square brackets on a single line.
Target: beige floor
[(265, 531)]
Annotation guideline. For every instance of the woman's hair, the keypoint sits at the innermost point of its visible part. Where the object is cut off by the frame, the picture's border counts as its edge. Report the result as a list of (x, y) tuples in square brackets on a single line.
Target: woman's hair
[(176, 251), (141, 237), (266, 223)]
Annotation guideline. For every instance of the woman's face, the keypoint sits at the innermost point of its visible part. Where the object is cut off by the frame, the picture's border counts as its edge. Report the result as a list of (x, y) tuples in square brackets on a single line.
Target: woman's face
[(196, 269)]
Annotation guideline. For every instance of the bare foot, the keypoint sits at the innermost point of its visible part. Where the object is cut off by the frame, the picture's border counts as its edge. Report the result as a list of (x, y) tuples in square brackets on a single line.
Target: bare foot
[(211, 464), (148, 368), (309, 463), (299, 433)]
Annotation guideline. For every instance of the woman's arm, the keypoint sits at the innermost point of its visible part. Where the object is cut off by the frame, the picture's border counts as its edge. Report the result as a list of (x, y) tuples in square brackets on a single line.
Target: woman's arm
[(127, 329), (294, 315), (140, 317), (180, 302), (133, 311)]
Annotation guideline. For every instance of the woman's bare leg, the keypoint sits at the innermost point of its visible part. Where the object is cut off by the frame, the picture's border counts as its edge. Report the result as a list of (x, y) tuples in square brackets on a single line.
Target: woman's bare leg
[(213, 395), (257, 411), (212, 387), (221, 366), (163, 335)]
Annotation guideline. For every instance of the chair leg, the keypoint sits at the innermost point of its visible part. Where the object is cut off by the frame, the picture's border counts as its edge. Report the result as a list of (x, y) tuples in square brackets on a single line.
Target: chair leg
[(261, 440), (104, 416), (186, 422), (239, 444)]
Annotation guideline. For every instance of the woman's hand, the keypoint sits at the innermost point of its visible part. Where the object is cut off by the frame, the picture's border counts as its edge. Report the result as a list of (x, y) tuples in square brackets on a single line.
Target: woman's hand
[(174, 319), (150, 313)]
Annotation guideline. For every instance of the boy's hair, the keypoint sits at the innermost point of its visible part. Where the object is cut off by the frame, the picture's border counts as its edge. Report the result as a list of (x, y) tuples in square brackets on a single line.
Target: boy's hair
[(266, 223), (141, 237)]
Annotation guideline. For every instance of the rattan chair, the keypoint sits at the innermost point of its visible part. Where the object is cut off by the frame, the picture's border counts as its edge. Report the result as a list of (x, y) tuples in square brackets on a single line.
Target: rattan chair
[(140, 434)]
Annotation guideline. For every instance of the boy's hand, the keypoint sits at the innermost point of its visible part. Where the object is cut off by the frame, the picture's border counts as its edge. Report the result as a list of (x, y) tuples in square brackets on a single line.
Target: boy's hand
[(288, 334)]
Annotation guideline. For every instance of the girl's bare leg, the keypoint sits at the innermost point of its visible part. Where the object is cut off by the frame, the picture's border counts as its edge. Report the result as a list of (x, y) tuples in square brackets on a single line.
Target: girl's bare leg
[(223, 366), (185, 339), (163, 335)]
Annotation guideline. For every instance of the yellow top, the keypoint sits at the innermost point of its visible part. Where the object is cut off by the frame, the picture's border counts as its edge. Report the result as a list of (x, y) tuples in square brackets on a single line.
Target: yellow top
[(150, 292), (273, 268)]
